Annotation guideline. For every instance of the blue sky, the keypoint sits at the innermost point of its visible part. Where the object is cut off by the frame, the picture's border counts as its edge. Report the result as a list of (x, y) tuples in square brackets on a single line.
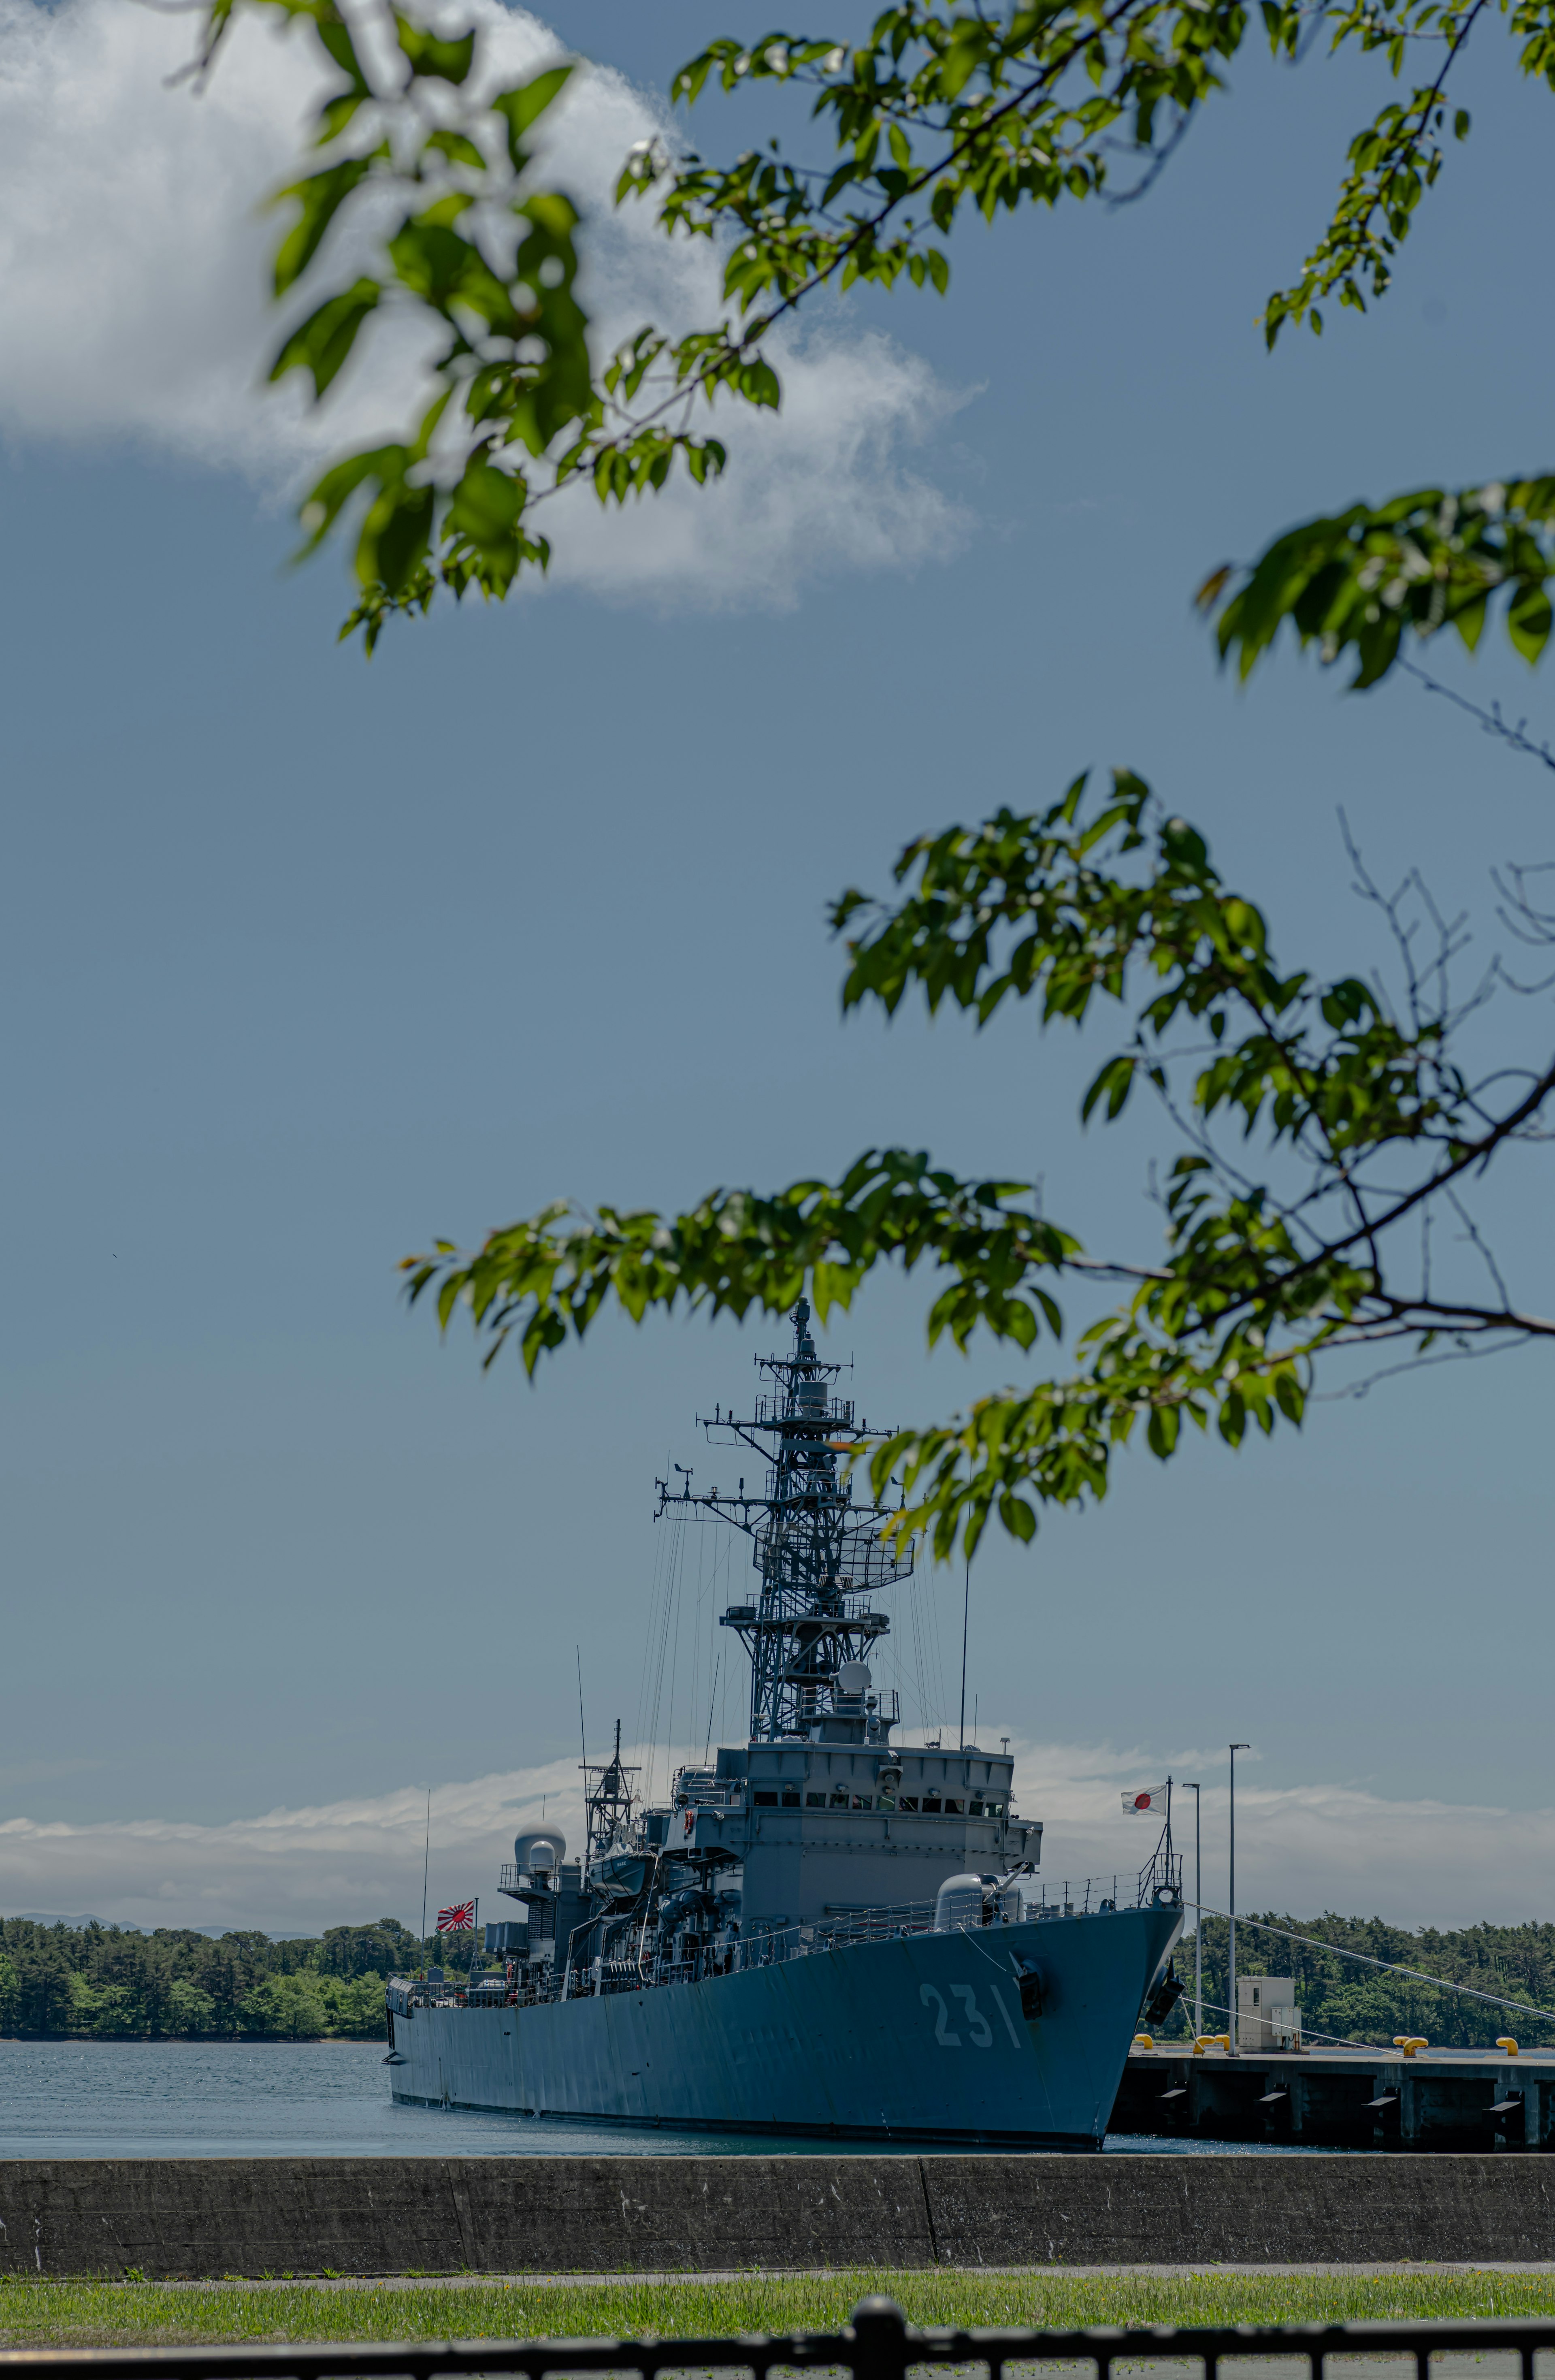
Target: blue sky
[(308, 960)]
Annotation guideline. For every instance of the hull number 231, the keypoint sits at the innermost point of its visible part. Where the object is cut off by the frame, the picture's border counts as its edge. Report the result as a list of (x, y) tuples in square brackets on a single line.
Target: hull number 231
[(969, 2017)]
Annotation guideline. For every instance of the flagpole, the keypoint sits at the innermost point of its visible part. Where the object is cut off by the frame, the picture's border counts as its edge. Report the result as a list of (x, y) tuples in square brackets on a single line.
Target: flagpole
[(966, 1623), (1198, 1915), (1231, 1988), (426, 1865)]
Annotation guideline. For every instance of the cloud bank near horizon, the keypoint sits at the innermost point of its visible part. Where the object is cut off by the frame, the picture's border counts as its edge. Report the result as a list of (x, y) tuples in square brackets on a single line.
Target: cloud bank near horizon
[(133, 268), (1305, 1849)]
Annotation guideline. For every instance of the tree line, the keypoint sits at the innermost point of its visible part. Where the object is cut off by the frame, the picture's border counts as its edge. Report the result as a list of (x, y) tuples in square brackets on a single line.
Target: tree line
[(109, 1982), (1343, 2001)]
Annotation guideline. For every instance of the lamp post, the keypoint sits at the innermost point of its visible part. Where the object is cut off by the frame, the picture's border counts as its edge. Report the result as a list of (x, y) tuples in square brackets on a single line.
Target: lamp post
[(1231, 1987), (1197, 1916)]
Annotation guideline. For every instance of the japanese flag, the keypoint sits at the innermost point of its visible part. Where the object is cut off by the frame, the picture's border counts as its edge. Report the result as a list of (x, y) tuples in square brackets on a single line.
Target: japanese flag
[(1141, 1804)]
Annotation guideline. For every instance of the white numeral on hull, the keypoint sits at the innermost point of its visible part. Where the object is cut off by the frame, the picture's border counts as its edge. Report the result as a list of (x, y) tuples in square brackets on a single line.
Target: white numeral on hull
[(980, 2032)]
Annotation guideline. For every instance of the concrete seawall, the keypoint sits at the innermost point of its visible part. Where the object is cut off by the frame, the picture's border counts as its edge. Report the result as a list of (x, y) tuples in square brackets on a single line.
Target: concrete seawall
[(209, 2217)]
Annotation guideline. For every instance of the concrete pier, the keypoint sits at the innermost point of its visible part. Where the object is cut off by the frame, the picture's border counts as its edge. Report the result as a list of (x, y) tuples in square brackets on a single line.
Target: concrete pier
[(173, 2217), (1364, 2099)]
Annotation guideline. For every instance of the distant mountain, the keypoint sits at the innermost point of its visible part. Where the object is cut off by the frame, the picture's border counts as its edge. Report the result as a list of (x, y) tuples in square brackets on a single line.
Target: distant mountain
[(122, 1925), (52, 1917)]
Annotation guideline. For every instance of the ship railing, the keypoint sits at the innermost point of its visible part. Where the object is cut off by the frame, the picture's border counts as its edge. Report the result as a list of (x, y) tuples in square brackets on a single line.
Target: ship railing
[(404, 1993), (1087, 1896), (875, 1924), (885, 1925), (1158, 1885), (878, 2343), (1161, 1880)]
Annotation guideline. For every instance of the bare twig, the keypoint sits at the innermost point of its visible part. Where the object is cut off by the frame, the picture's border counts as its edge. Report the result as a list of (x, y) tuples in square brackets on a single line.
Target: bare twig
[(1490, 720)]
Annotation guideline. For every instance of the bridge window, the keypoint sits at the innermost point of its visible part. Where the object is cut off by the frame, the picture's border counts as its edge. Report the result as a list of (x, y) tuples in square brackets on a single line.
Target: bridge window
[(839, 1797), (862, 1801), (790, 1798), (952, 1809), (909, 1801), (765, 1801), (931, 1804), (815, 1800)]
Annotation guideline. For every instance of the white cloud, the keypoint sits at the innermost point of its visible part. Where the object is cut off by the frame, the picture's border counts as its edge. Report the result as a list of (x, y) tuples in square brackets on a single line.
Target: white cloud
[(341, 1863), (1305, 1849), (132, 279)]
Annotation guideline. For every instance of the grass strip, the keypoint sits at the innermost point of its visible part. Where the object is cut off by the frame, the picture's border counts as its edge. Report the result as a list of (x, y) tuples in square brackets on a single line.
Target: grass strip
[(43, 2313)]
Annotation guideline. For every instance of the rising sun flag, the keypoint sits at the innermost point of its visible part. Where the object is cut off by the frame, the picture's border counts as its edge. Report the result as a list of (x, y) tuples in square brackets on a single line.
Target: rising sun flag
[(1152, 1798), (458, 1920)]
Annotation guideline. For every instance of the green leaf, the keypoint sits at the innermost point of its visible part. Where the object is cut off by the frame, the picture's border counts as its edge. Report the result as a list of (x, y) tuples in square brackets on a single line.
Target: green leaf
[(1018, 1517), (320, 199), (1527, 623), (1114, 1083), (331, 31), (963, 59), (322, 507), (395, 536), (525, 103), (448, 61), (458, 150), (1164, 1424), (759, 384), (322, 345), (486, 505)]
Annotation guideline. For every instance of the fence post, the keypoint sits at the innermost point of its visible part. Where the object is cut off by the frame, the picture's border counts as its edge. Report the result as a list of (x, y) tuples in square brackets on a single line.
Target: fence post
[(879, 2331)]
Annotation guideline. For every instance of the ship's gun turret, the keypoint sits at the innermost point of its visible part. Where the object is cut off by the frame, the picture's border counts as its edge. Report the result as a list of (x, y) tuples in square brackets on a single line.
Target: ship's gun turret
[(976, 1900)]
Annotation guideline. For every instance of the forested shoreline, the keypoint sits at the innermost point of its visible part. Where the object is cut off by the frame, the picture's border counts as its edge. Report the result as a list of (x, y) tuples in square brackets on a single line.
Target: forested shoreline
[(1345, 2002), (106, 1983)]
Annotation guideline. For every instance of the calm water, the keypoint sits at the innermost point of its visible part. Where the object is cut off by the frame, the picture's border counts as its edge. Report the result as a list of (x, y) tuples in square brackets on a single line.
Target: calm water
[(83, 2099)]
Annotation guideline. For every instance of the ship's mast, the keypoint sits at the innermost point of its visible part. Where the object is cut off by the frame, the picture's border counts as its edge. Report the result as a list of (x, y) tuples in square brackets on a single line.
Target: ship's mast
[(819, 1553), (608, 1799)]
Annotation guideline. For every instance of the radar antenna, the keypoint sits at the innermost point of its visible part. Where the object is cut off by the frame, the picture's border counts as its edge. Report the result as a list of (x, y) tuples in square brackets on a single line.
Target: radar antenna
[(819, 1553)]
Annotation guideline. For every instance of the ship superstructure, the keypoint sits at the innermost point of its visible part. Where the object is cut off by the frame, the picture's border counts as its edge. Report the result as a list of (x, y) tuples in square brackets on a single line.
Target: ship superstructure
[(807, 1933)]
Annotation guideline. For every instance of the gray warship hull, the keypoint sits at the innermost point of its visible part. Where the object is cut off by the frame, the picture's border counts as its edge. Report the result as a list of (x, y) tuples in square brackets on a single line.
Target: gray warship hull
[(919, 2037)]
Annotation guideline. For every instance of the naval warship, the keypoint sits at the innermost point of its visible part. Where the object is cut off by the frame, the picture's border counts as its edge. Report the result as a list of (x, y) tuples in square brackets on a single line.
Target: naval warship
[(823, 1932)]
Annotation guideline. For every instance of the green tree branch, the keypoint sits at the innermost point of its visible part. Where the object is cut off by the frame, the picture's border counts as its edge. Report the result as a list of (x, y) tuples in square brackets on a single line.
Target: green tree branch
[(932, 112), (1261, 1275)]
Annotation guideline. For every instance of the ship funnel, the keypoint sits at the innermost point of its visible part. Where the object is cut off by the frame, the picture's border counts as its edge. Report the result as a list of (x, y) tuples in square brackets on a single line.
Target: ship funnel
[(540, 1854)]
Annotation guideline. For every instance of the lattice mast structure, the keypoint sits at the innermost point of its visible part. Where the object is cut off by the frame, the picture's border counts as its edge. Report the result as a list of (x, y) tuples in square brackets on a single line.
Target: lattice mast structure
[(609, 1800), (818, 1551)]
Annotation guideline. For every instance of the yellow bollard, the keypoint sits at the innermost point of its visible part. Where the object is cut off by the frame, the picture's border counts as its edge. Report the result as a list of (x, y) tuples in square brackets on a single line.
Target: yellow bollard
[(1410, 2042), (1143, 2041), (1211, 2040), (1504, 2041)]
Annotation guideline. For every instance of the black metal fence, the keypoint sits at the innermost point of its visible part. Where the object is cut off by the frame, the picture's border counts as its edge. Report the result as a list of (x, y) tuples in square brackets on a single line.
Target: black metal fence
[(878, 2344)]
